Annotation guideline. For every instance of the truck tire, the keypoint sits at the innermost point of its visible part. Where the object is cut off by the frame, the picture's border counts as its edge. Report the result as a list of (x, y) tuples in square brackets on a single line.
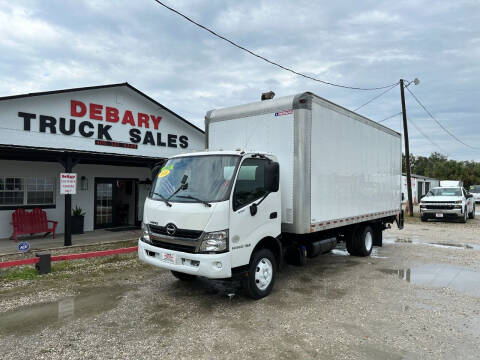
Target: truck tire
[(350, 244), (184, 277), (472, 214), (423, 218), (364, 241), (262, 272), (463, 220)]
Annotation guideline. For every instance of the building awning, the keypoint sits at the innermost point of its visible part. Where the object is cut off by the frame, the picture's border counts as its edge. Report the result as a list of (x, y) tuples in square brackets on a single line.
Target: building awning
[(26, 153)]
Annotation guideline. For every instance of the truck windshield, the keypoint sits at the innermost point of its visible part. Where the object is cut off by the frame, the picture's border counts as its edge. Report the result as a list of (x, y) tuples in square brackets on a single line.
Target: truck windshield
[(204, 178), (445, 192), (474, 189)]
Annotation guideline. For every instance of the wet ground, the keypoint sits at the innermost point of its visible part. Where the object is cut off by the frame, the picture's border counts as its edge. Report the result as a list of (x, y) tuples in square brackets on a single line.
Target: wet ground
[(416, 297)]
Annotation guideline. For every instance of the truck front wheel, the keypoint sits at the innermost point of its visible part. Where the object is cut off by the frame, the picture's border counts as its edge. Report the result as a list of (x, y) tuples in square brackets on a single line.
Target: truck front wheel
[(364, 241), (262, 272)]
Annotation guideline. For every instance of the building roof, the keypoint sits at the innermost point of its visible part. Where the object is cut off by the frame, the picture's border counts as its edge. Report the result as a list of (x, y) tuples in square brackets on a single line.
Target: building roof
[(126, 84), (420, 176)]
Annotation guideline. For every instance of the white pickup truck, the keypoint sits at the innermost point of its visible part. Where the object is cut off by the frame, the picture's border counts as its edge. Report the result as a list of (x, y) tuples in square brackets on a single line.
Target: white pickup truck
[(475, 191), (447, 203)]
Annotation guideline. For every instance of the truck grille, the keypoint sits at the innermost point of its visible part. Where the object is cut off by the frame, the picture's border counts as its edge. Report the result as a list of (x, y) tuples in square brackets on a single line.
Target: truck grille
[(436, 202), (181, 233), (170, 246), (439, 207)]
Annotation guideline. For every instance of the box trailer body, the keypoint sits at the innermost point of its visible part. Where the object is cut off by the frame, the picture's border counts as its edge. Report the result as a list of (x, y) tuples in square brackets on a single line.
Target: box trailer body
[(337, 167), (282, 179), (451, 183)]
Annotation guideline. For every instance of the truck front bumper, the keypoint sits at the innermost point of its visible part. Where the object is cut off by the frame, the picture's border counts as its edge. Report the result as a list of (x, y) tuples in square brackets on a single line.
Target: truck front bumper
[(212, 266), (447, 214)]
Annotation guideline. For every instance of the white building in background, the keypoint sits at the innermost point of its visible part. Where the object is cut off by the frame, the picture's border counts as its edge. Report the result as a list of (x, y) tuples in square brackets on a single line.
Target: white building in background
[(113, 135), (420, 186)]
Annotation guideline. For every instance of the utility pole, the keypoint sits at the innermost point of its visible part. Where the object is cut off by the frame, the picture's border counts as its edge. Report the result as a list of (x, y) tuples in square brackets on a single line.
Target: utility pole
[(407, 150)]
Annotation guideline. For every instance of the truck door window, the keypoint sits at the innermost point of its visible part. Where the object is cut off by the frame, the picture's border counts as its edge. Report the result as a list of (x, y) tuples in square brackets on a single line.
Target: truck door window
[(250, 185)]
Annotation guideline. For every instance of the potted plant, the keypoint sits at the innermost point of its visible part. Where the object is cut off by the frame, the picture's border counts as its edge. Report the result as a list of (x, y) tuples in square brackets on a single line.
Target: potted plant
[(77, 220)]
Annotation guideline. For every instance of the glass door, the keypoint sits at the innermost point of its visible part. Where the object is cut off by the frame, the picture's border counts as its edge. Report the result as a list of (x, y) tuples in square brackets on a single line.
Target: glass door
[(104, 203)]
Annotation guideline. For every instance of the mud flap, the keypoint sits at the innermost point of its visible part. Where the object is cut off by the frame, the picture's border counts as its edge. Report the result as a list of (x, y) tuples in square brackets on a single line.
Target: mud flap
[(399, 219)]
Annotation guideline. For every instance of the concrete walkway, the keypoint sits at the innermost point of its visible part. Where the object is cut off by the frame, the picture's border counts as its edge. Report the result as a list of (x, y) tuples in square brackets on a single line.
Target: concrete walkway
[(37, 242)]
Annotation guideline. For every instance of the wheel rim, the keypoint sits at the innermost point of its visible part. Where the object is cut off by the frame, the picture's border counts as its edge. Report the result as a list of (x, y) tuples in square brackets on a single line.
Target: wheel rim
[(263, 273), (368, 241)]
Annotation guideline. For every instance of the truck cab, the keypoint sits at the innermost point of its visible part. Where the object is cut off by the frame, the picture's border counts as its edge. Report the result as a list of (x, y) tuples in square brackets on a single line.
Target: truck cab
[(475, 191), (208, 213), (447, 202)]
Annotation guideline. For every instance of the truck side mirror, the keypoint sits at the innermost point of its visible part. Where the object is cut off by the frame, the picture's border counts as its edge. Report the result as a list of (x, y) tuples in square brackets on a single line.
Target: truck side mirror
[(272, 176)]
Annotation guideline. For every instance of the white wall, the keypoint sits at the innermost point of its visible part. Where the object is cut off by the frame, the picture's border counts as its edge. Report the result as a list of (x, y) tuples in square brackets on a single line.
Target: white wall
[(84, 199)]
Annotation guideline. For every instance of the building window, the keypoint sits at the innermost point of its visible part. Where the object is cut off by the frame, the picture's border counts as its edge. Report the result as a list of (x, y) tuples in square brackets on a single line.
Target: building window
[(28, 191), (11, 191)]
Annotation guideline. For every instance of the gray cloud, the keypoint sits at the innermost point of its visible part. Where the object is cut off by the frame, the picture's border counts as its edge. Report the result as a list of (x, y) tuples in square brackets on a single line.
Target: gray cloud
[(61, 44)]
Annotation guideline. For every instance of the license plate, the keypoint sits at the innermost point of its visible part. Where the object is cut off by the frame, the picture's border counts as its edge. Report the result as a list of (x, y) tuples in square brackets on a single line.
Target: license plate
[(168, 258), (439, 215)]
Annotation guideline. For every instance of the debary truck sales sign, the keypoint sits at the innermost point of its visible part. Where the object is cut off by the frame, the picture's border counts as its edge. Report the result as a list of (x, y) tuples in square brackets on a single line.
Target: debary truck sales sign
[(109, 120)]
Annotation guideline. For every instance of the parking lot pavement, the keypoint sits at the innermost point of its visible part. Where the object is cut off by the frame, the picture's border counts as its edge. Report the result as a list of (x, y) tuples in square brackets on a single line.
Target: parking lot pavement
[(415, 297)]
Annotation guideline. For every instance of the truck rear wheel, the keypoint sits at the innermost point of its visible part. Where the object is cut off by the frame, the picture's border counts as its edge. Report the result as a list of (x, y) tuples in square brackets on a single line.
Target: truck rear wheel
[(184, 277), (262, 272), (472, 214), (364, 241), (350, 244)]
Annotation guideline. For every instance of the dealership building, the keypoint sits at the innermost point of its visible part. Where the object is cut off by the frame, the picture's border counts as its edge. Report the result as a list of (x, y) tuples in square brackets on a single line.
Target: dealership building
[(110, 136)]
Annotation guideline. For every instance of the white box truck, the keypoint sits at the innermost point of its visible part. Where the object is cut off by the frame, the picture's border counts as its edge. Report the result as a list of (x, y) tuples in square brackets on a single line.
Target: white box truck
[(283, 179)]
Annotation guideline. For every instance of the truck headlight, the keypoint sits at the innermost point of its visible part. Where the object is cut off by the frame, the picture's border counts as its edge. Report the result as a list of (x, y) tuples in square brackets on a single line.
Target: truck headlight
[(145, 237), (216, 241), (459, 201)]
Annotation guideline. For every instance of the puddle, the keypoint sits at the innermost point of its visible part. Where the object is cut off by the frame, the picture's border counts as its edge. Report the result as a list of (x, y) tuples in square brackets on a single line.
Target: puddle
[(462, 279), (31, 319), (407, 240)]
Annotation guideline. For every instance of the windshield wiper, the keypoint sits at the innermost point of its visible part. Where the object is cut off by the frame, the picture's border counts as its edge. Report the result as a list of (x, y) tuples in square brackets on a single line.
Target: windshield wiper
[(162, 198), (206, 203)]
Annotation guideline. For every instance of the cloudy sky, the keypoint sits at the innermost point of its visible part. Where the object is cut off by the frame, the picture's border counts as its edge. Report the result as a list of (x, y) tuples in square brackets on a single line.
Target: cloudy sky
[(48, 45)]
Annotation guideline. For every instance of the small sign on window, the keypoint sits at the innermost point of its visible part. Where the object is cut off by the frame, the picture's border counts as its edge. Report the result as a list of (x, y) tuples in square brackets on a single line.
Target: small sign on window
[(68, 183)]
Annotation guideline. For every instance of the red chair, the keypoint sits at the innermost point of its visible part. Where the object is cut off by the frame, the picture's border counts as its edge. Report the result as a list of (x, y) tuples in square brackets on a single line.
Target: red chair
[(36, 221)]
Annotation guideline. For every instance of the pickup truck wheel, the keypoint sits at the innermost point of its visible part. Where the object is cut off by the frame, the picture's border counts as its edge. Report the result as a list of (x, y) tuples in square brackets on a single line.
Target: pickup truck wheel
[(184, 277), (423, 218), (472, 214), (364, 241), (262, 272), (463, 220)]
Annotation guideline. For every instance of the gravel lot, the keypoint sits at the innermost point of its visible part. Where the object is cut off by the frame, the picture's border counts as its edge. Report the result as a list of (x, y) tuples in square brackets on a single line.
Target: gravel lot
[(413, 298)]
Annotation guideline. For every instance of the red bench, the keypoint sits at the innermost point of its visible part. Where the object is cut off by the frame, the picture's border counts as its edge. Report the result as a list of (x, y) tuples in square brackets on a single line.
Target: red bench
[(35, 221)]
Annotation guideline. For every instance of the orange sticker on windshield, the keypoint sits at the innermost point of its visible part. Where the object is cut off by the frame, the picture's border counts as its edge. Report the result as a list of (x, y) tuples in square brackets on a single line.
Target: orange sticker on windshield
[(164, 173)]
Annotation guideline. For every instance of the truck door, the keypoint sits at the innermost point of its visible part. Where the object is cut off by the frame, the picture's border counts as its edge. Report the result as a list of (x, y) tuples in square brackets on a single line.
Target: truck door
[(248, 227)]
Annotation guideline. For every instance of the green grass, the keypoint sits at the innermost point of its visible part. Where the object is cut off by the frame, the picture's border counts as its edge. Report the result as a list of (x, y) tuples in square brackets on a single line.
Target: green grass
[(28, 273)]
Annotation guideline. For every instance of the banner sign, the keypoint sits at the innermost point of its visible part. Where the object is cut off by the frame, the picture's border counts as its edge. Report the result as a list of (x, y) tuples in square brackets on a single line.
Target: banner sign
[(108, 121)]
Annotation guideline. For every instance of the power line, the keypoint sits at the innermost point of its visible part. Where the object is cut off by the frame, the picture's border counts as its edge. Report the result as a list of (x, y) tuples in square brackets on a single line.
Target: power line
[(439, 123), (376, 97), (264, 58), (425, 136), (391, 116)]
